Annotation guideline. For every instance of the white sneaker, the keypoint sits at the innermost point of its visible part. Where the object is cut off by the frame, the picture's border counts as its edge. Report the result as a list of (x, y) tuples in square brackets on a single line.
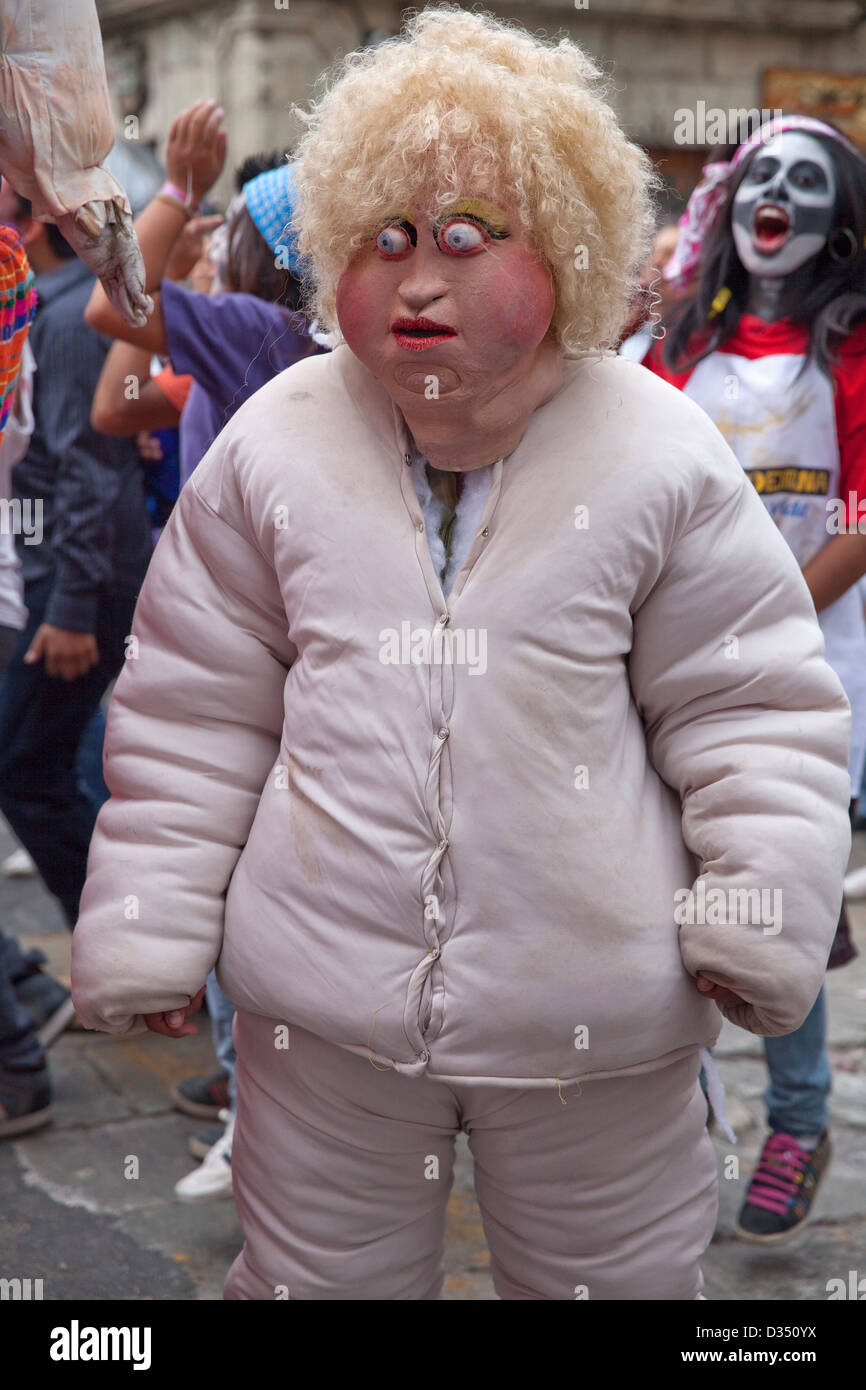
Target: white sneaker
[(213, 1178), (18, 865), (855, 884)]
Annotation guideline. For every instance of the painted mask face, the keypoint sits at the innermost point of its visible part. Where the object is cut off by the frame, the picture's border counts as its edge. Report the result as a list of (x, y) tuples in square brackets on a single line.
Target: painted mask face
[(783, 210), (454, 305)]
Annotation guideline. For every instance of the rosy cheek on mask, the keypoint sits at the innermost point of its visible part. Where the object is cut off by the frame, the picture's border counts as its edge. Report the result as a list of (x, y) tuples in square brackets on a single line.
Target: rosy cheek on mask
[(357, 308), (522, 300)]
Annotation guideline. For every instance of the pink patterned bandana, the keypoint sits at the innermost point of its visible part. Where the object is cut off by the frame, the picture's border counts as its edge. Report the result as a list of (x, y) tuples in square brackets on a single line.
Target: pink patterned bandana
[(708, 196)]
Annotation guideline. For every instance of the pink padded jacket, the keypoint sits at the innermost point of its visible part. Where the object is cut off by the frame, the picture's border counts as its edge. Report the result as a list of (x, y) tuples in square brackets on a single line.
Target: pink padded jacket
[(457, 835)]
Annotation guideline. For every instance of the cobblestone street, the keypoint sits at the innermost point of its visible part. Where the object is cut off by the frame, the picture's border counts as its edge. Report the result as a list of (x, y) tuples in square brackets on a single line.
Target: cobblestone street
[(72, 1219)]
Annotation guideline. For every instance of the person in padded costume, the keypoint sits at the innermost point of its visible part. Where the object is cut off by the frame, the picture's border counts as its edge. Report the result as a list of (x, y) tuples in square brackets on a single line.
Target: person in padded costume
[(431, 721)]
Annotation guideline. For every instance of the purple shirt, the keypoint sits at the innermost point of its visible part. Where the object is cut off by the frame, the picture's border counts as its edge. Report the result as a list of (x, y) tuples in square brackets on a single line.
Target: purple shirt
[(231, 344)]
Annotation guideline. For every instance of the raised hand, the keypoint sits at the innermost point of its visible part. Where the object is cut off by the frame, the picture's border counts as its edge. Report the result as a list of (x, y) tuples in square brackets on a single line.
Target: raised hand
[(196, 149)]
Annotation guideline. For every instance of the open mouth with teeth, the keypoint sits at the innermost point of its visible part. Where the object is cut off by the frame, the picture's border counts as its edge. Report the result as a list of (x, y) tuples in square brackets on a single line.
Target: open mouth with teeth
[(771, 227)]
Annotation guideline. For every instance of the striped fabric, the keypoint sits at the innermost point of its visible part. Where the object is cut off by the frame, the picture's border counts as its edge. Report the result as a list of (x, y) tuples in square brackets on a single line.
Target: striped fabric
[(17, 306)]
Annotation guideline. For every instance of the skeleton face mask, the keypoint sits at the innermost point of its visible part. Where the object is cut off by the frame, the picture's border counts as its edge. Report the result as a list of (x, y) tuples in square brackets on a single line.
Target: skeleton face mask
[(783, 209)]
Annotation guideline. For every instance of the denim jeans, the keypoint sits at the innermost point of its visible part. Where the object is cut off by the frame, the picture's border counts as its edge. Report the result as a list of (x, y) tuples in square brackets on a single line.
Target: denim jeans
[(88, 762), (42, 721), (19, 1045), (800, 1076), (222, 1012)]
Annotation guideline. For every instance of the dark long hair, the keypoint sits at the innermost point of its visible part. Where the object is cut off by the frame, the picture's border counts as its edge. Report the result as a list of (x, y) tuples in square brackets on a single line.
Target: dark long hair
[(831, 307), (251, 264)]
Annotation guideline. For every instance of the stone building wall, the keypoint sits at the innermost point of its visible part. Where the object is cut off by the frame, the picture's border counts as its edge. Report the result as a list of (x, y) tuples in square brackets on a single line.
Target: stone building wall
[(257, 57)]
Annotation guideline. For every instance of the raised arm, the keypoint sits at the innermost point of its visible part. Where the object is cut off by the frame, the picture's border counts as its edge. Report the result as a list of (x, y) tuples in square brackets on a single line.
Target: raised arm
[(195, 155)]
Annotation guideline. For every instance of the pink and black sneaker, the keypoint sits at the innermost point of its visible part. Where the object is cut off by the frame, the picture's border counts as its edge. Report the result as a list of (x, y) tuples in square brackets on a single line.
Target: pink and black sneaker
[(783, 1190)]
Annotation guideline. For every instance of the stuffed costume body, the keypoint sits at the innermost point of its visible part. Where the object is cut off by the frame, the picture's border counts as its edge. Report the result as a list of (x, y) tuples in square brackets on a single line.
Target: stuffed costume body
[(432, 807), (392, 854)]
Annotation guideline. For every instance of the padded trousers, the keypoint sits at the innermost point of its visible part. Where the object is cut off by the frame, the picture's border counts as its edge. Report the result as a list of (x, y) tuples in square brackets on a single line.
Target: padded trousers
[(342, 1173)]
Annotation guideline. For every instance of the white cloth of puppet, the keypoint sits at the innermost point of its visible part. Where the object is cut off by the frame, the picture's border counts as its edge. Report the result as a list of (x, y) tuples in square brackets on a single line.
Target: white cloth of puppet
[(55, 129)]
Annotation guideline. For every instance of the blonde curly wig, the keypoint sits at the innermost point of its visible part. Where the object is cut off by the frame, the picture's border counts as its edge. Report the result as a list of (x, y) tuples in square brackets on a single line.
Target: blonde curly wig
[(465, 104)]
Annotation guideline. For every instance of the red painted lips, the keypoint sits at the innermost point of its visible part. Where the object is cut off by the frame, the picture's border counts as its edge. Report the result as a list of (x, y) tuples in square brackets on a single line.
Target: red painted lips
[(416, 334)]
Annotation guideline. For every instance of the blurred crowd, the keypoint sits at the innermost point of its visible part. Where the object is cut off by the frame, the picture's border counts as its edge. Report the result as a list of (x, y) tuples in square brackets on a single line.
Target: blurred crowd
[(106, 422)]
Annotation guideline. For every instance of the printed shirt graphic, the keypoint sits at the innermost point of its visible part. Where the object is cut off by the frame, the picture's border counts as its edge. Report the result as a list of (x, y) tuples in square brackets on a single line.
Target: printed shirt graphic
[(802, 441)]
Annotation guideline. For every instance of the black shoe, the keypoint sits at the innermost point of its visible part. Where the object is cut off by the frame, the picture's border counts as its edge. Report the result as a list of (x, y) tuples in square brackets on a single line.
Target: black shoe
[(203, 1097), (48, 1002), (25, 1100), (201, 1144), (783, 1189)]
